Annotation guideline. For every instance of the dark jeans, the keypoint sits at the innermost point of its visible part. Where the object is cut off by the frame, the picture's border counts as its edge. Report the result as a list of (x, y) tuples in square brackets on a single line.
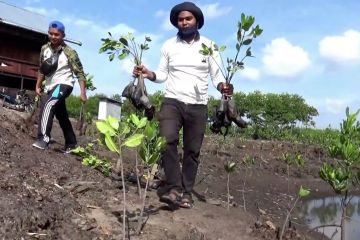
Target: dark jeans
[(175, 115), (54, 105)]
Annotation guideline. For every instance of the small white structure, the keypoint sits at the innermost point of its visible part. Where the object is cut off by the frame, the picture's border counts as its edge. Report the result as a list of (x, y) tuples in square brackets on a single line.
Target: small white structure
[(109, 107)]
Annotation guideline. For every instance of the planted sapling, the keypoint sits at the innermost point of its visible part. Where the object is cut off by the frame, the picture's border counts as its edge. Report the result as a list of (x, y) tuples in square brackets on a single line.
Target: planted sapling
[(150, 152), (229, 168), (117, 135), (345, 171), (303, 192)]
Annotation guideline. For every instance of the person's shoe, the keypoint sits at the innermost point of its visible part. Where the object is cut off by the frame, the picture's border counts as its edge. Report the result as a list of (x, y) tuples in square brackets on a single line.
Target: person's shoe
[(41, 144), (68, 150)]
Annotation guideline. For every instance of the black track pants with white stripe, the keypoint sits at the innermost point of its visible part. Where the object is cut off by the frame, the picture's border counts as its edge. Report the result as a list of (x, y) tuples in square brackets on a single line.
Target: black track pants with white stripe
[(54, 105)]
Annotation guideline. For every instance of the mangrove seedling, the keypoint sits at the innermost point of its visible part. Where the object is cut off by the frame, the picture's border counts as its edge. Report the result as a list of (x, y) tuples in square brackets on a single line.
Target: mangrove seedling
[(229, 168), (117, 135), (301, 194), (344, 172)]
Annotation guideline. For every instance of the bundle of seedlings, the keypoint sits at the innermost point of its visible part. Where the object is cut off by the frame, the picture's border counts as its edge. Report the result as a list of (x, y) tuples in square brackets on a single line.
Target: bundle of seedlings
[(226, 112)]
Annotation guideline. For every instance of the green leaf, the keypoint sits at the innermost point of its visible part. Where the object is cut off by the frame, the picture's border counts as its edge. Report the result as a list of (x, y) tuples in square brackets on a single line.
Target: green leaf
[(125, 129), (238, 46), (111, 57), (85, 162), (105, 128), (124, 41), (230, 167), (248, 52), (247, 41), (113, 122), (222, 48), (122, 56), (160, 144), (134, 119), (243, 18), (110, 143), (247, 22), (204, 52), (239, 34), (134, 141), (78, 150), (303, 192), (154, 158), (142, 123), (257, 31), (148, 39), (143, 153), (150, 132)]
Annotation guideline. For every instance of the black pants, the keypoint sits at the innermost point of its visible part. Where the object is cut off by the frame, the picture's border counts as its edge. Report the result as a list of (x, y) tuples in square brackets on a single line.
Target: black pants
[(175, 115), (54, 105)]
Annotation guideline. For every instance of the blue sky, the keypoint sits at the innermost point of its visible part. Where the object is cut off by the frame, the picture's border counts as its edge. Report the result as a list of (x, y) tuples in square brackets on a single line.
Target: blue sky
[(310, 48)]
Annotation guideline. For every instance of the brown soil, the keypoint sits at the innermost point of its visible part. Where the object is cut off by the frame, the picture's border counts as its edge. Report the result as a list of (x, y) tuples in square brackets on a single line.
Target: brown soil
[(51, 195)]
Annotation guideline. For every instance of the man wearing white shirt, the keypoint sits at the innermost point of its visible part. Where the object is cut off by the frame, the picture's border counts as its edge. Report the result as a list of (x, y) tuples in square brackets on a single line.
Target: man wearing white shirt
[(59, 82), (185, 72)]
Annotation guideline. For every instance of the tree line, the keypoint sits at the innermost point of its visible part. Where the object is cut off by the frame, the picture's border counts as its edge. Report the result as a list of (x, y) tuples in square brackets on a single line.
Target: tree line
[(263, 111)]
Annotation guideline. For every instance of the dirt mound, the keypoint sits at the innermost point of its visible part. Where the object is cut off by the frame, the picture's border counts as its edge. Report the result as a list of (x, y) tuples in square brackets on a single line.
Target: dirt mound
[(51, 195)]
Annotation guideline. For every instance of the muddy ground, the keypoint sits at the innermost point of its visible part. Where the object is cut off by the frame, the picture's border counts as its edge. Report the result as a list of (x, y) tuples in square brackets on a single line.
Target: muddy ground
[(51, 195)]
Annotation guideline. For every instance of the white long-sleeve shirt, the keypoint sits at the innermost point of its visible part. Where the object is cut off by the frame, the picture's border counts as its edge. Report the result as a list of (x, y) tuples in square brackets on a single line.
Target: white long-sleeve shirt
[(186, 71), (63, 73)]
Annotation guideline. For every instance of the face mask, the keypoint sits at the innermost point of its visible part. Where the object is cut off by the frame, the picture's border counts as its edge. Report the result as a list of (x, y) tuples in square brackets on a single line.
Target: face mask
[(187, 32)]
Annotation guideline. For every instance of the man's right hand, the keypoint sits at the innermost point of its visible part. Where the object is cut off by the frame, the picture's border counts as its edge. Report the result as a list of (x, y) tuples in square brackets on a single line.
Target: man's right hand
[(142, 70), (38, 91)]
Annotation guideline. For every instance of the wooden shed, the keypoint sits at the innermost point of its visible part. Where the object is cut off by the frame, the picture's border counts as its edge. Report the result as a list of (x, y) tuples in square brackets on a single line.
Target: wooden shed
[(22, 33)]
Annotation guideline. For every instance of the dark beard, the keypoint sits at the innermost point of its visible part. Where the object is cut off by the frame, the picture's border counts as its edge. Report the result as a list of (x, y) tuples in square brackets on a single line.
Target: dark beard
[(186, 33)]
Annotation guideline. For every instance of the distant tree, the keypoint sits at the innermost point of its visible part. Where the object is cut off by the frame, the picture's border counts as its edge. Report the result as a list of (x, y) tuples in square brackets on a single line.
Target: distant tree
[(116, 97), (92, 104), (73, 105), (286, 110), (273, 112), (213, 103)]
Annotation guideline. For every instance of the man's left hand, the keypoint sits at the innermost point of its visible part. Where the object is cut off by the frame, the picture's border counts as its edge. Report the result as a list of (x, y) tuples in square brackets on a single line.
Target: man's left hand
[(226, 89), (83, 97)]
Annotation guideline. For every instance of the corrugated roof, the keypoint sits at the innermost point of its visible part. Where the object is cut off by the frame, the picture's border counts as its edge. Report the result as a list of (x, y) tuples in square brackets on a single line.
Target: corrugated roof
[(13, 15), (23, 18)]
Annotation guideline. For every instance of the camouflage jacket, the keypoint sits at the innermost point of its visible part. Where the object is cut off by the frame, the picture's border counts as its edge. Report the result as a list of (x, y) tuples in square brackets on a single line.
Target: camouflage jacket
[(73, 58)]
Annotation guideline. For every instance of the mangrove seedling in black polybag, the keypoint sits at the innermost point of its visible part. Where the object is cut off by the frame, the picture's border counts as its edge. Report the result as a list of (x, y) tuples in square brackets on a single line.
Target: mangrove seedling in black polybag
[(135, 91), (226, 112)]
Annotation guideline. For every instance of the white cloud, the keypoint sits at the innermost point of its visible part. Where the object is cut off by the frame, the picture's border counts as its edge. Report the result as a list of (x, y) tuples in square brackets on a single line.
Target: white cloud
[(210, 11), (282, 59), (46, 12), (127, 66), (165, 22), (161, 13), (213, 10), (341, 49), (250, 73), (336, 106), (121, 29), (29, 2), (82, 22)]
